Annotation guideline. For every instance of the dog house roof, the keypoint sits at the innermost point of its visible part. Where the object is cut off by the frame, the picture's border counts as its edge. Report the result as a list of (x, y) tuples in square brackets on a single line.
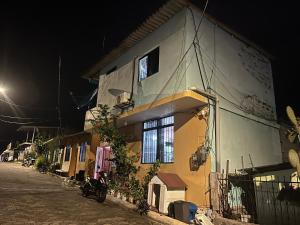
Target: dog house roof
[(172, 181)]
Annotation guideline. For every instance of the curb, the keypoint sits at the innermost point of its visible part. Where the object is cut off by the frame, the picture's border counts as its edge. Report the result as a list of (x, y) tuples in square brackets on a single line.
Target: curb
[(157, 217), (160, 218)]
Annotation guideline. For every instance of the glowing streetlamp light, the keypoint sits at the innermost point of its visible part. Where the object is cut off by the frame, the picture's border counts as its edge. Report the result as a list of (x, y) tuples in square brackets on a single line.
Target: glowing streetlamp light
[(2, 90)]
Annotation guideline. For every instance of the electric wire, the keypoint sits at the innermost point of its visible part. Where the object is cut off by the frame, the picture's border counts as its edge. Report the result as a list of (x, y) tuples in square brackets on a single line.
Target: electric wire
[(26, 107), (20, 118), (199, 69), (19, 123), (240, 108), (196, 42), (268, 125), (58, 94), (184, 55)]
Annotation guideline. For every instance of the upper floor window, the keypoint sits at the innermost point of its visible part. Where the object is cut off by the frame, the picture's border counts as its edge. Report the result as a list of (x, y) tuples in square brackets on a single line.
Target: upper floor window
[(158, 140), (149, 64)]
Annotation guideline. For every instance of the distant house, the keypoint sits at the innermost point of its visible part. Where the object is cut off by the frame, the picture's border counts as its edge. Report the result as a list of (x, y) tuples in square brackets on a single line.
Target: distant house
[(32, 132), (77, 156), (193, 94), (7, 154)]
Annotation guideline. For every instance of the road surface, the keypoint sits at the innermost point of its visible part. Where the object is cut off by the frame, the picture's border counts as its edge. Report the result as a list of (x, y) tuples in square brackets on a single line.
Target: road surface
[(28, 197)]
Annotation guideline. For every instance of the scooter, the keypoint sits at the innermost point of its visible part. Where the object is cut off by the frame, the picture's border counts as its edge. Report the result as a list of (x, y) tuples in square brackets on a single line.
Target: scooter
[(28, 162), (96, 187)]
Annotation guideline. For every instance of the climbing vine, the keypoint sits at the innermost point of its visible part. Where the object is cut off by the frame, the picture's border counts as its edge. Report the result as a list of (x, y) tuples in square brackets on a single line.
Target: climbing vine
[(104, 124)]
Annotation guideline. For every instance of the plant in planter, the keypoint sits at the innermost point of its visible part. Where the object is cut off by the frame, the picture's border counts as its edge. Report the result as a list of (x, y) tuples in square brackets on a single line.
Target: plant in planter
[(135, 189), (143, 207), (41, 164), (104, 124), (150, 174)]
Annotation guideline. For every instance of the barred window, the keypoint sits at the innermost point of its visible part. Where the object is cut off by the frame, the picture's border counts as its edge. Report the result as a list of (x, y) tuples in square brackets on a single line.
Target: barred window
[(82, 152), (67, 153), (158, 140)]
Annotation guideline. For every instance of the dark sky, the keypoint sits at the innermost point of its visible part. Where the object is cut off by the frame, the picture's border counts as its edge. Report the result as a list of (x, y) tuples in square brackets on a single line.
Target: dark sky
[(32, 39)]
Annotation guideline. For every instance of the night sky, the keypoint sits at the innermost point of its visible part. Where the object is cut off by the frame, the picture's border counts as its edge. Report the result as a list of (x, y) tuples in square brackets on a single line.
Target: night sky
[(32, 39)]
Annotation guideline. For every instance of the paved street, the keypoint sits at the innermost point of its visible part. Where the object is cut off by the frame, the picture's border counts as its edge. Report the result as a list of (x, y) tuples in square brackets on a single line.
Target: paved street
[(28, 197)]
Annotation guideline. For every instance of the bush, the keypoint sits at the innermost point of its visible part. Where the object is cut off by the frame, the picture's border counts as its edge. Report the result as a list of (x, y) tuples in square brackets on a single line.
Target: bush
[(41, 162), (135, 189)]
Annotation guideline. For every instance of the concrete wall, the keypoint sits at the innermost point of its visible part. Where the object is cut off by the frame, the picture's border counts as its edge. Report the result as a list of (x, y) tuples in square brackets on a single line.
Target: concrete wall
[(189, 135), (82, 165), (242, 78), (75, 141), (95, 142), (170, 39), (70, 166)]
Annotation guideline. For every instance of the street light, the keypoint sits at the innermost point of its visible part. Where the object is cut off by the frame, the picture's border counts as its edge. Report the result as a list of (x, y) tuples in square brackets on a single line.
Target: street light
[(2, 89)]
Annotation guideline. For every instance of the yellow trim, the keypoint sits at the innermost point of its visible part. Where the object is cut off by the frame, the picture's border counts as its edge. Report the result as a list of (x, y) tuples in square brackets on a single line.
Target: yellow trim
[(182, 101)]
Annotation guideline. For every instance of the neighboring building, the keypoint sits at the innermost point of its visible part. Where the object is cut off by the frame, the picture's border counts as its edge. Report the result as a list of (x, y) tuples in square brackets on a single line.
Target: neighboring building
[(28, 146), (7, 154), (191, 101), (77, 155)]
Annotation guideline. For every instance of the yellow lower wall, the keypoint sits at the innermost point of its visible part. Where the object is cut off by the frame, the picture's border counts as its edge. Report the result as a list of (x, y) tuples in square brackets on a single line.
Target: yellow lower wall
[(70, 165), (189, 135)]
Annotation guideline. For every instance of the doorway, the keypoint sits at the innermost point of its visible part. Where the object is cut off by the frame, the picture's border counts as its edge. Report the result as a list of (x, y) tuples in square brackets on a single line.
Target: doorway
[(156, 195)]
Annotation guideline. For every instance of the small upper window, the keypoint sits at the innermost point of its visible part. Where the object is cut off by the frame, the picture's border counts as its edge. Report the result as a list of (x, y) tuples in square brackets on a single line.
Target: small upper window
[(148, 64)]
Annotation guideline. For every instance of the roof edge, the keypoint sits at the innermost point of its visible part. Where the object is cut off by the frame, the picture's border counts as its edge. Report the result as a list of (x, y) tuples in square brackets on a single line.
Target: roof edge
[(152, 23)]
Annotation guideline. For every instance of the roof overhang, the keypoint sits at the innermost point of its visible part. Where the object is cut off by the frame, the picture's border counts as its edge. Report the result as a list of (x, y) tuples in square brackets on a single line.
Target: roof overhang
[(180, 102), (157, 19)]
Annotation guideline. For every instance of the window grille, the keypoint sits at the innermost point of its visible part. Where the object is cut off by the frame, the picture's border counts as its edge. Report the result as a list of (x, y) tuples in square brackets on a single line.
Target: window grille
[(158, 140)]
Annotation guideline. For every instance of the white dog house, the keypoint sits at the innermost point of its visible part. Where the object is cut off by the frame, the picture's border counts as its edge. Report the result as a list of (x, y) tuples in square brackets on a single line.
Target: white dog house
[(163, 189)]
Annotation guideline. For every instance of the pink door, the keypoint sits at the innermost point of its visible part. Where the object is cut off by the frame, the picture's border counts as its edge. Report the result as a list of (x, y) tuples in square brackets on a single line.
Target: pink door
[(102, 162)]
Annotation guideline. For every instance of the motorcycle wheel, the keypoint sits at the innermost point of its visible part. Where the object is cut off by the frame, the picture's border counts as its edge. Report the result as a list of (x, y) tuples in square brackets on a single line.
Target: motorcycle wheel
[(85, 191), (101, 195)]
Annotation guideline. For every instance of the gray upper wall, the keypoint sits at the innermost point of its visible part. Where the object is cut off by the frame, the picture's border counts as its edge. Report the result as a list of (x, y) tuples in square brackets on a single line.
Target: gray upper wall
[(239, 73), (170, 38)]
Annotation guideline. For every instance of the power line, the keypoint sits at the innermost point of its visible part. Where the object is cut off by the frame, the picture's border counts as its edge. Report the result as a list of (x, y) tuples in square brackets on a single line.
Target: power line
[(240, 108), (26, 107), (268, 125), (17, 117), (185, 53), (196, 42), (13, 122), (58, 94)]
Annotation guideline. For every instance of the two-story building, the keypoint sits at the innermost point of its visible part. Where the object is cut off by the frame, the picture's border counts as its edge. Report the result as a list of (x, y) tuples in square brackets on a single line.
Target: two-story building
[(193, 94)]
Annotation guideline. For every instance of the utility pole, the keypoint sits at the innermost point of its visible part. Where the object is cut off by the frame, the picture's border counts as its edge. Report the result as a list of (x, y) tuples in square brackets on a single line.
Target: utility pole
[(58, 97)]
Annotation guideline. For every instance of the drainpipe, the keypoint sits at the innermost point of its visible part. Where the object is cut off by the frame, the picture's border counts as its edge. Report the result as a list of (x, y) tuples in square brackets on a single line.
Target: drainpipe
[(218, 152), (215, 99)]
